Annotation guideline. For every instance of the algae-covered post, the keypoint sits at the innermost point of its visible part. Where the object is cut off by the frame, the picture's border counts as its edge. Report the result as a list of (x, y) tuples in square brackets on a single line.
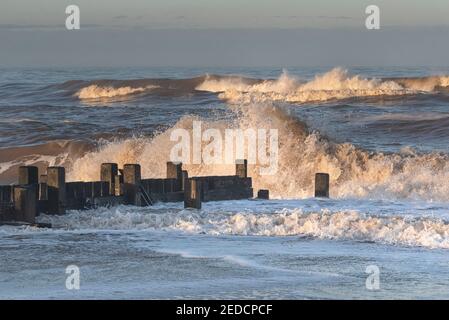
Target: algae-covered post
[(108, 173), (43, 188), (185, 177), (131, 183), (241, 168), (174, 171), (263, 194), (56, 190), (192, 194), (28, 175), (25, 203)]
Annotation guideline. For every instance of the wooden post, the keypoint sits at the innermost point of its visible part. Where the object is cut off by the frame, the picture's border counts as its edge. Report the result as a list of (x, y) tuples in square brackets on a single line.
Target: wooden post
[(118, 183), (56, 190), (174, 171), (131, 183), (263, 194), (43, 189), (322, 185), (25, 203), (28, 175), (185, 177), (6, 194), (108, 173), (96, 189), (192, 194), (7, 211), (241, 168)]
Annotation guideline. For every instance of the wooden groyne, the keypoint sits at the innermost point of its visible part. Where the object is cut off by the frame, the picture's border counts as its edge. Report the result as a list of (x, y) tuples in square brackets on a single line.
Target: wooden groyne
[(51, 194)]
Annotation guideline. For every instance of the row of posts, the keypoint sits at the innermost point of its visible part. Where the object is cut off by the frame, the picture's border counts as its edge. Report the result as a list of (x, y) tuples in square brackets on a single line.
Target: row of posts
[(30, 190), (52, 187), (192, 192)]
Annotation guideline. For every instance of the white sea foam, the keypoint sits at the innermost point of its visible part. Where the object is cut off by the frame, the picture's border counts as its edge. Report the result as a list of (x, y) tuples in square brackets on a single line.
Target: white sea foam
[(97, 92), (324, 224)]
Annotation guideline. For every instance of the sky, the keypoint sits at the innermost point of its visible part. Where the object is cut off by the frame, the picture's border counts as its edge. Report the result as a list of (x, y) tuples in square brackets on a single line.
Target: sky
[(223, 32)]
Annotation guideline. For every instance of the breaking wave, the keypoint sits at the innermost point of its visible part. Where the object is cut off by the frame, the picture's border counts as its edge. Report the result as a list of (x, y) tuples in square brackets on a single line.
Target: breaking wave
[(354, 172), (335, 84), (332, 85), (340, 225), (98, 89), (96, 92), (57, 152)]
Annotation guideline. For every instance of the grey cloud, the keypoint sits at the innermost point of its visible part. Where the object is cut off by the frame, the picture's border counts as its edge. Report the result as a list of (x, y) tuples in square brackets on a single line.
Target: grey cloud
[(120, 17)]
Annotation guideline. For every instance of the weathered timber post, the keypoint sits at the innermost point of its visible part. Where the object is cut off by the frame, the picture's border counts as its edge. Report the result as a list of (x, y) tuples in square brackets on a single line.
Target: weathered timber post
[(174, 171), (263, 194), (43, 189), (192, 194), (108, 173), (322, 185), (184, 179), (6, 194), (56, 190), (131, 184), (96, 189), (241, 168), (25, 203), (28, 175), (118, 182)]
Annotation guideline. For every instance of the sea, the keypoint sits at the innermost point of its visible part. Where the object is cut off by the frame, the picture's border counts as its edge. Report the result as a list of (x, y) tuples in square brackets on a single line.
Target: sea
[(382, 134)]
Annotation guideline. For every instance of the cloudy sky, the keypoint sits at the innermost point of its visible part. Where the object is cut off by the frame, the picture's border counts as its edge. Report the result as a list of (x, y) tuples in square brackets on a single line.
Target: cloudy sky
[(223, 33)]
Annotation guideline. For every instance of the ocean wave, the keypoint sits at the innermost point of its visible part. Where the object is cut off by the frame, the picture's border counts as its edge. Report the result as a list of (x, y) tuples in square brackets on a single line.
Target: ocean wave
[(100, 89), (96, 92), (58, 152), (412, 126), (324, 224), (332, 85), (354, 172)]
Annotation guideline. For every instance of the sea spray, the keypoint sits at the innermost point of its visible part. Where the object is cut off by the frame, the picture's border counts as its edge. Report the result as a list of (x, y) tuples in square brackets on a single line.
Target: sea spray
[(354, 172)]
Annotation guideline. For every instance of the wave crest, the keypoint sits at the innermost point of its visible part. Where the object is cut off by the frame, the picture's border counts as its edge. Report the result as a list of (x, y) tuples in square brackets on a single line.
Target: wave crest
[(96, 91), (335, 84)]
